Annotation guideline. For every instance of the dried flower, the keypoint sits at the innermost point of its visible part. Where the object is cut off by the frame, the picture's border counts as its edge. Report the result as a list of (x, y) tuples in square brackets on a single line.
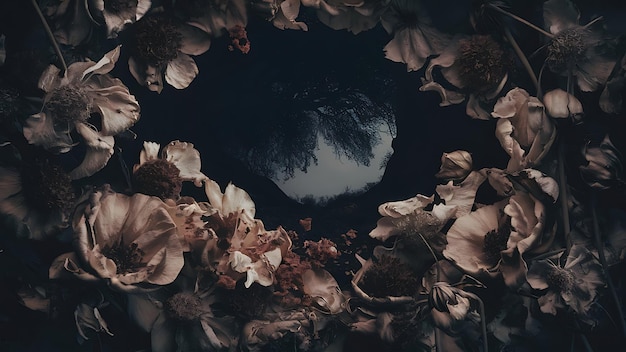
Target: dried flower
[(160, 45), (86, 89), (129, 242)]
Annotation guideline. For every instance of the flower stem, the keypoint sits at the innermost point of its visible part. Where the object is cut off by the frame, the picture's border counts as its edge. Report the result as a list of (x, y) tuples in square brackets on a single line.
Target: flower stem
[(434, 256), (483, 319), (522, 57), (602, 257), (55, 45), (563, 195), (521, 20)]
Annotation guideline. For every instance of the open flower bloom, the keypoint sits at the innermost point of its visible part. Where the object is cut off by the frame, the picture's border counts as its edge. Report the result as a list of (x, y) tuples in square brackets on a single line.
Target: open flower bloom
[(409, 217), (575, 50), (574, 285), (117, 14), (354, 15), (70, 100), (129, 242), (38, 195), (414, 39), (236, 244), (476, 66), (162, 174), (188, 320), (523, 129), (163, 45), (604, 167), (495, 237)]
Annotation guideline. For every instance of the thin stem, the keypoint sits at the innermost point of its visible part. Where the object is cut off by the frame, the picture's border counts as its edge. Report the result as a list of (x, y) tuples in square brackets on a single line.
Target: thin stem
[(521, 20), (434, 256), (602, 257), (586, 343), (522, 57), (592, 22), (563, 195), (483, 320), (55, 45)]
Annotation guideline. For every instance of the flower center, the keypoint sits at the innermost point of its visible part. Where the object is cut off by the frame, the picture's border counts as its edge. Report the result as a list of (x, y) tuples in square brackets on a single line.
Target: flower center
[(157, 40), (117, 6), (560, 279), (420, 222), (158, 178), (69, 103), (390, 277), (494, 243), (46, 186), (184, 306), (483, 63), (127, 258), (567, 49)]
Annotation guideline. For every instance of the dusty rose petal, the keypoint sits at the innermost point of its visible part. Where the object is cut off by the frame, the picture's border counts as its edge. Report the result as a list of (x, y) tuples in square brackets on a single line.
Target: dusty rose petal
[(410, 46), (181, 71), (118, 108), (187, 159), (404, 207), (99, 151), (236, 200), (105, 65), (461, 196)]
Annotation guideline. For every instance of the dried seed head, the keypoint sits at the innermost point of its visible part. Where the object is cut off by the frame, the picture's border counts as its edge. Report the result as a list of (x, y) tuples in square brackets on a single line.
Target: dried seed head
[(561, 280), (389, 276), (46, 186), (567, 49), (158, 178), (495, 242), (483, 63), (127, 259), (69, 103), (157, 40), (184, 307)]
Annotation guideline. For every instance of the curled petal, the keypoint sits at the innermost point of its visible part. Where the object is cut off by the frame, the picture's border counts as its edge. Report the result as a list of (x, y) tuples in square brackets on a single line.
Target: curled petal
[(105, 65), (404, 207), (187, 159), (150, 151), (461, 196), (99, 151), (448, 97), (324, 289), (181, 71), (412, 46), (118, 108)]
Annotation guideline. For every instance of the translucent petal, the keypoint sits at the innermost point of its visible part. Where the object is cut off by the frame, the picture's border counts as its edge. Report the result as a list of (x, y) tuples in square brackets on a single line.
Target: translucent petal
[(181, 71)]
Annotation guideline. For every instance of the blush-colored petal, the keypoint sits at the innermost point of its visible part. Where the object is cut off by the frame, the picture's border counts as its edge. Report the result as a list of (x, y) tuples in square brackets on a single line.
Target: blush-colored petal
[(466, 239), (187, 159), (181, 71), (99, 151), (461, 196), (404, 207), (149, 152), (118, 108), (236, 200), (413, 45), (105, 65), (560, 104), (142, 8)]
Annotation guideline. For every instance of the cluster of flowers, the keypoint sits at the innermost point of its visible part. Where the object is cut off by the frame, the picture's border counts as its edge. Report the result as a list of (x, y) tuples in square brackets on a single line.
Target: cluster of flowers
[(207, 275)]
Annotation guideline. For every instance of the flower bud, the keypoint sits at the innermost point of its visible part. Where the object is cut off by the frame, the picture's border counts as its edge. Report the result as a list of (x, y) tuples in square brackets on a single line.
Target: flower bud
[(455, 165), (560, 104)]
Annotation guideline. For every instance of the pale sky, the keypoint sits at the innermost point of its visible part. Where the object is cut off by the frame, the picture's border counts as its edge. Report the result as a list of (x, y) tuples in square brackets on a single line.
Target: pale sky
[(333, 174)]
